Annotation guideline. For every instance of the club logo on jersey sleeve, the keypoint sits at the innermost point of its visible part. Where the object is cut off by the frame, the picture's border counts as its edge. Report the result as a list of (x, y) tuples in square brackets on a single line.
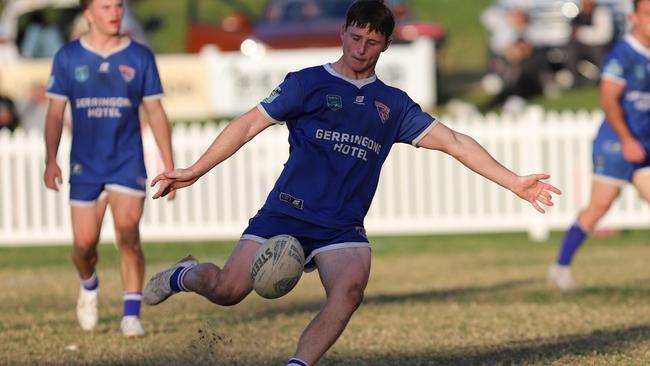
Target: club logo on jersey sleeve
[(127, 72), (81, 73), (384, 111), (639, 72), (614, 67), (334, 102), (274, 94)]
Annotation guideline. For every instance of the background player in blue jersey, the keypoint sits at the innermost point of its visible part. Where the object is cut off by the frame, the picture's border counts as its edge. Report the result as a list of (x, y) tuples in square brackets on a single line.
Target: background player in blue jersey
[(105, 76), (620, 150), (342, 122)]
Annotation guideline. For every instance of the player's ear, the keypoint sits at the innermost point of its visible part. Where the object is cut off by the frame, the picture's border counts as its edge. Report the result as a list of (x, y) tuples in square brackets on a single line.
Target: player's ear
[(388, 42), (87, 15), (342, 32)]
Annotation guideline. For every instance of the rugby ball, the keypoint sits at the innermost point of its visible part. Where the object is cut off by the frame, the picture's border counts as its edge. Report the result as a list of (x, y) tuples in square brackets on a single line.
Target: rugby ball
[(277, 266)]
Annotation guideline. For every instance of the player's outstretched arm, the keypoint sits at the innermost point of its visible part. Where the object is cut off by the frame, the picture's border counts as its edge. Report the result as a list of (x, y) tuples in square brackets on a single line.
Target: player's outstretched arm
[(235, 135), (53, 129), (469, 152)]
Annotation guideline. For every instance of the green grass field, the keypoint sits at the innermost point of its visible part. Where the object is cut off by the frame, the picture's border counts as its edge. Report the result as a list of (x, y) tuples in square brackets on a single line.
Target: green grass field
[(431, 300)]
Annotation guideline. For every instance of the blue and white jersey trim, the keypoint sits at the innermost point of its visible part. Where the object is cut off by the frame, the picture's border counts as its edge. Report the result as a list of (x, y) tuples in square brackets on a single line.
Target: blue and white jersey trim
[(153, 97), (56, 96), (359, 83), (126, 190), (417, 140), (268, 116)]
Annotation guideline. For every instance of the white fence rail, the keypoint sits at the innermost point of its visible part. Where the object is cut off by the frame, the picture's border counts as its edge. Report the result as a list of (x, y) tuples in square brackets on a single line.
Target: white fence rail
[(420, 191)]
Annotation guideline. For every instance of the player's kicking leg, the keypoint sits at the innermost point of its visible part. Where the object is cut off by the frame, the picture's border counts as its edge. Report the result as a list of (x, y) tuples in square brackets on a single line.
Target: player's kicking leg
[(344, 274), (227, 286), (603, 194), (87, 219), (127, 208)]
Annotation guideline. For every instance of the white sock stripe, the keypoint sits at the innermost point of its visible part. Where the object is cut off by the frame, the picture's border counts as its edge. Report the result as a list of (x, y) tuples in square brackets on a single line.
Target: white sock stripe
[(90, 281), (181, 277), (297, 362), (132, 296), (91, 278)]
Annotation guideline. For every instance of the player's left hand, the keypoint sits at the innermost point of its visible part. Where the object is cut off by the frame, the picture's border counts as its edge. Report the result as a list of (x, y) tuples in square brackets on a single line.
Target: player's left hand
[(532, 189), (171, 181), (171, 196)]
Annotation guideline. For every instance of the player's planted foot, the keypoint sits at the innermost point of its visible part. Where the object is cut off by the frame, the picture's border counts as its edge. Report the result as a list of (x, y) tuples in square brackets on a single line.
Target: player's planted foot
[(87, 312), (158, 288), (561, 277), (131, 326)]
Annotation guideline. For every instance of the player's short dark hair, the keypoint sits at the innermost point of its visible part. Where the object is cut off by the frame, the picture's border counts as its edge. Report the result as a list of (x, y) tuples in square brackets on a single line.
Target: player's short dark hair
[(636, 4), (373, 14)]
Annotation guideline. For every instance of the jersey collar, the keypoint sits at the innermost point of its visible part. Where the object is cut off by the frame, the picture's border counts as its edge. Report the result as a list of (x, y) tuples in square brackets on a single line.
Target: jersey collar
[(358, 83), (107, 54), (637, 46)]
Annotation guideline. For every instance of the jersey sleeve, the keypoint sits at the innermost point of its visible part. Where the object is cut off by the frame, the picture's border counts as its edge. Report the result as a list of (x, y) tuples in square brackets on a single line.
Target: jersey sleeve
[(614, 66), (285, 101), (58, 86), (415, 123), (152, 85)]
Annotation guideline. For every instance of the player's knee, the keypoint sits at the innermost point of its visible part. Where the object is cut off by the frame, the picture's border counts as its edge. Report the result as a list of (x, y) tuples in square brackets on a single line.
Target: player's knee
[(352, 295), (85, 252), (85, 246), (355, 295), (126, 228)]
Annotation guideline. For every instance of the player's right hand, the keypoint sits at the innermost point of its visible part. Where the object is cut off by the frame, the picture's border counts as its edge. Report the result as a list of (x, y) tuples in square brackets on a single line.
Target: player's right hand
[(52, 177), (633, 151), (171, 181)]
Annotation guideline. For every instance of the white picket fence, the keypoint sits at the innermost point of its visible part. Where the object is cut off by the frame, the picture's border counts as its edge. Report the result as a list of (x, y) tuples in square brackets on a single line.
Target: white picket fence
[(420, 192)]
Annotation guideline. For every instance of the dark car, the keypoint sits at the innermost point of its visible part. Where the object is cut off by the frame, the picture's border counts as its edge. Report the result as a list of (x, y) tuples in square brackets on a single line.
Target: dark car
[(285, 24)]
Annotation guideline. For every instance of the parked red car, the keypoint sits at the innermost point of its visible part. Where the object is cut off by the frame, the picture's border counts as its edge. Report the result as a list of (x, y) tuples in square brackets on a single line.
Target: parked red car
[(286, 24)]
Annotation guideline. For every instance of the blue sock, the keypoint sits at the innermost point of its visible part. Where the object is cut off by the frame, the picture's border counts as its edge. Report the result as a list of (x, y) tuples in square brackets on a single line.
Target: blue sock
[(90, 284), (176, 280), (573, 238), (132, 301), (297, 362)]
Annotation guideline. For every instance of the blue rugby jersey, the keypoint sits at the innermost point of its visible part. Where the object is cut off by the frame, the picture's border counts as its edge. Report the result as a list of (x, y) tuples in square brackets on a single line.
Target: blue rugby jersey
[(628, 62), (105, 92), (340, 133)]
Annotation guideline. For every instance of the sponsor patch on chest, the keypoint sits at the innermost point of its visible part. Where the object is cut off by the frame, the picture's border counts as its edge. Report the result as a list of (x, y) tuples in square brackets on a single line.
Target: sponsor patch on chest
[(334, 102)]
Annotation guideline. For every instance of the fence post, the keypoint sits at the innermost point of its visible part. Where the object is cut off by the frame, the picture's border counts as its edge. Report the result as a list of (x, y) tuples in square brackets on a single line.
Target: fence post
[(533, 136)]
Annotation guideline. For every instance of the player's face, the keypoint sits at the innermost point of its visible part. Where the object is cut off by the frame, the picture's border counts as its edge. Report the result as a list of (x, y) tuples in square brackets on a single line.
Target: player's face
[(641, 20), (105, 16), (361, 49)]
